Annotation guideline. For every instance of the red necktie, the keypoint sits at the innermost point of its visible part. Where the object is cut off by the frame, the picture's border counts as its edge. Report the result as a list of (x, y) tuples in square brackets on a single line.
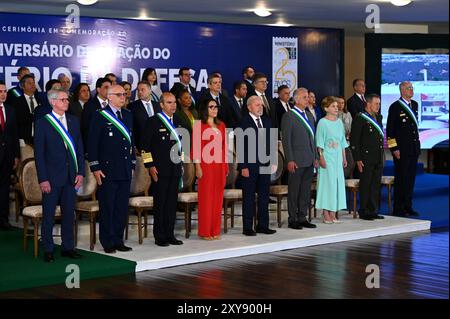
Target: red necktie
[(2, 118)]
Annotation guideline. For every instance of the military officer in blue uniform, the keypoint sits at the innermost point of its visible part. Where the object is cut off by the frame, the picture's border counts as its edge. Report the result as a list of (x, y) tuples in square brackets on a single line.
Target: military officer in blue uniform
[(162, 154), (112, 160), (58, 150), (367, 141), (403, 140)]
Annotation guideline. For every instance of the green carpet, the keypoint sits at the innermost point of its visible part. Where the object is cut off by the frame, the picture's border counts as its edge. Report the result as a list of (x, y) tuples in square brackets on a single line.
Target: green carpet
[(20, 270)]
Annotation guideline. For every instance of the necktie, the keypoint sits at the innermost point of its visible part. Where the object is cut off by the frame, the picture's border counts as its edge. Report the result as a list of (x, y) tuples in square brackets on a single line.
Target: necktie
[(217, 100), (119, 115), (149, 109), (266, 103), (61, 119), (258, 121), (240, 103), (2, 118), (104, 104), (171, 120), (363, 98), (32, 104)]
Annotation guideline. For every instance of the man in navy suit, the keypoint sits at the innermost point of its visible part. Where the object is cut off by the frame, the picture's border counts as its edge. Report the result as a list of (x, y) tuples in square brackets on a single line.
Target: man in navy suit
[(184, 74), (357, 102), (60, 168), (112, 159), (256, 172), (17, 91), (9, 154), (142, 109), (238, 101), (99, 102), (25, 107)]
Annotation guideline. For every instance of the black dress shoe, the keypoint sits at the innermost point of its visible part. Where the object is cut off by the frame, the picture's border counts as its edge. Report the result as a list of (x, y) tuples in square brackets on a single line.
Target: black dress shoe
[(399, 214), (161, 243), (175, 241), (110, 250), (123, 248), (71, 254), (365, 217), (249, 233), (307, 224), (294, 226), (266, 231), (411, 213), (376, 216), (48, 257), (272, 201)]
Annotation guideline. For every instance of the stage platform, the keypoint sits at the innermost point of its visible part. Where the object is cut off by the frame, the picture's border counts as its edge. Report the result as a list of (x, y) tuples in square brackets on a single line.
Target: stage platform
[(148, 256)]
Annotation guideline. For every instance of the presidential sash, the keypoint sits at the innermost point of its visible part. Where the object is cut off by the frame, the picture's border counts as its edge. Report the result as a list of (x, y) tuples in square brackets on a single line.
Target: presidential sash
[(117, 123), (67, 139), (409, 111), (372, 121), (169, 125), (305, 122)]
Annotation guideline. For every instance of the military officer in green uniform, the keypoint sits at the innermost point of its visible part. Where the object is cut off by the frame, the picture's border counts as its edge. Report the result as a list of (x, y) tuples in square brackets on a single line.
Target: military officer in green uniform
[(366, 141)]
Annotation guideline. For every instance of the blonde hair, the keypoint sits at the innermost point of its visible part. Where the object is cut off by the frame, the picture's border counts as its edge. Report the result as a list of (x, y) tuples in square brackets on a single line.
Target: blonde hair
[(327, 101)]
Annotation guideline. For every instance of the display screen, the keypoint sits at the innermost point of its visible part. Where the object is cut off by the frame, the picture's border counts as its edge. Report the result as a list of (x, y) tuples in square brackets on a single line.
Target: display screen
[(428, 73)]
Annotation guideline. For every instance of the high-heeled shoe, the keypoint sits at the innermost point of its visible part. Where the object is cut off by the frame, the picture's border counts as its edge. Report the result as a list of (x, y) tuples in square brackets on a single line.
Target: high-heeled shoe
[(327, 221), (216, 237), (206, 237), (336, 221)]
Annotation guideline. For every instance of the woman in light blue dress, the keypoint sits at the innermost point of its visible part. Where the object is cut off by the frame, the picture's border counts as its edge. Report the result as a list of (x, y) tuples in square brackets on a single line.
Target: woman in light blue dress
[(331, 144)]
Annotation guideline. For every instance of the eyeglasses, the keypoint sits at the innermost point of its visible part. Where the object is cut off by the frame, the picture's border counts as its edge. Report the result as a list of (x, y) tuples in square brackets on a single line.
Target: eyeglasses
[(118, 94), (63, 99), (212, 107), (410, 88)]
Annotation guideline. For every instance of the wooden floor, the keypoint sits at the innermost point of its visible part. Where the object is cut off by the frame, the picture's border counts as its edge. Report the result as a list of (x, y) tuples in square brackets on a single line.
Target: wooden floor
[(411, 265)]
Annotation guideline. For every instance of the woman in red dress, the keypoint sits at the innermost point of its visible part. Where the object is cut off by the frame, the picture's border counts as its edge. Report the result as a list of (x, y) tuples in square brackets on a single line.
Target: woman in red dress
[(211, 169)]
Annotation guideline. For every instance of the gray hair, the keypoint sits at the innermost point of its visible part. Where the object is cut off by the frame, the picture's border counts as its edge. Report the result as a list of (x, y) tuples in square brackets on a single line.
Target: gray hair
[(403, 84), (252, 99), (297, 92), (54, 94), (213, 76)]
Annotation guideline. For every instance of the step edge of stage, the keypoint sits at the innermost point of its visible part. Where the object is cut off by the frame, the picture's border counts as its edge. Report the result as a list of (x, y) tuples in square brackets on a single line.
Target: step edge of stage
[(153, 264)]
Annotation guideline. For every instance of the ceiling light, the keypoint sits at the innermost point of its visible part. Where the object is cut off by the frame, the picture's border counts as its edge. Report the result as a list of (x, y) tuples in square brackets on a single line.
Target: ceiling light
[(400, 3), (86, 2), (262, 12)]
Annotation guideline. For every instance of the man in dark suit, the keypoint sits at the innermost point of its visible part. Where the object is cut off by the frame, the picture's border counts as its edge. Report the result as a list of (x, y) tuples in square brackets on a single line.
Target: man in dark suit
[(366, 141), (142, 109), (16, 92), (25, 106), (260, 84), (357, 102), (100, 101), (282, 103), (163, 155), (238, 101), (298, 130), (248, 72), (402, 131), (255, 172), (184, 75), (226, 113), (9, 154), (112, 159), (60, 169)]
